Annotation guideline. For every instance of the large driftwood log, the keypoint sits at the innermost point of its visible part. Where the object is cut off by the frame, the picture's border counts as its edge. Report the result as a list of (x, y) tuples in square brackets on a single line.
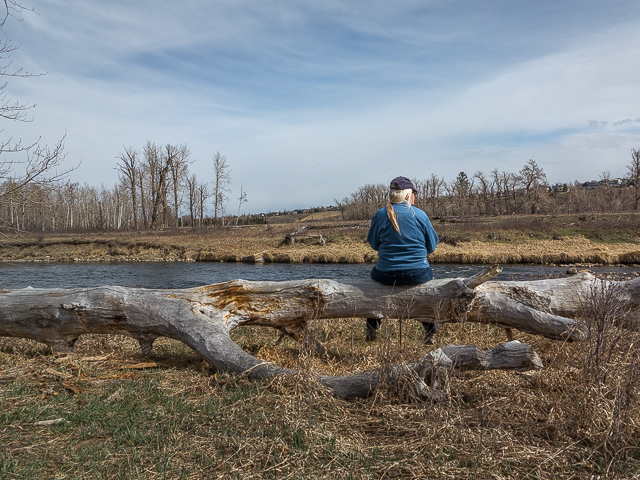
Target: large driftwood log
[(203, 317)]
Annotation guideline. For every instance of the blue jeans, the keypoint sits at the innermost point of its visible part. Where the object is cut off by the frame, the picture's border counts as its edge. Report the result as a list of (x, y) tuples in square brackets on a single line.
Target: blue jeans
[(402, 277), (399, 278)]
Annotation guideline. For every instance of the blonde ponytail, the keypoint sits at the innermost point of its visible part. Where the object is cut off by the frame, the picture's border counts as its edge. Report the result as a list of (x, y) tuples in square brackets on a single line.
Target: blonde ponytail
[(397, 196), (391, 213)]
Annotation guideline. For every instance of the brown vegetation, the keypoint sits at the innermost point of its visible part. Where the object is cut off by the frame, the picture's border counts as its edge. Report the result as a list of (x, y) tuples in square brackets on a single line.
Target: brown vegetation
[(602, 239), (114, 413)]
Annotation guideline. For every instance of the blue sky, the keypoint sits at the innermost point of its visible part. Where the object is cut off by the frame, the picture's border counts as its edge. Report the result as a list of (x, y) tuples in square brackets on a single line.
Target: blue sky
[(310, 100)]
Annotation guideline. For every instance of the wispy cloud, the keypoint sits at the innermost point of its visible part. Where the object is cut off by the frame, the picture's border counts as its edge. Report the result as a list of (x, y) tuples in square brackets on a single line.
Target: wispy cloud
[(336, 94)]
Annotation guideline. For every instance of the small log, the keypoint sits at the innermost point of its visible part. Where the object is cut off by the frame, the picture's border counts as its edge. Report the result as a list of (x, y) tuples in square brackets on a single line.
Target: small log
[(506, 356), (255, 258), (290, 238), (511, 355)]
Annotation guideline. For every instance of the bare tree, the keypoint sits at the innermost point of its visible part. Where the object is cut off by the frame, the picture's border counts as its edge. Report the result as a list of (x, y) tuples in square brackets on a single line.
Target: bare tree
[(157, 165), (129, 170), (68, 195), (634, 175), (435, 186), (192, 187), (148, 182), (203, 195), (486, 194), (21, 164), (241, 199), (179, 172), (198, 195), (221, 181), (507, 184), (533, 179), (605, 194)]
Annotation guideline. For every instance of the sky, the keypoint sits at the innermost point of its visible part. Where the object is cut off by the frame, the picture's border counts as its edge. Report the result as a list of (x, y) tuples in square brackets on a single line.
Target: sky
[(310, 100)]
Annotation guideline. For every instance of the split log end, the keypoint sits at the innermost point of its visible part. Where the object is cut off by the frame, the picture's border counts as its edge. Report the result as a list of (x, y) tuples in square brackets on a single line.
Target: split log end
[(478, 279)]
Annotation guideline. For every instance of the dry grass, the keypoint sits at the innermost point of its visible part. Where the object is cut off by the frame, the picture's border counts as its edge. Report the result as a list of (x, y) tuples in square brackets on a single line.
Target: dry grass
[(577, 418), (180, 419), (610, 239), (574, 250), (345, 245)]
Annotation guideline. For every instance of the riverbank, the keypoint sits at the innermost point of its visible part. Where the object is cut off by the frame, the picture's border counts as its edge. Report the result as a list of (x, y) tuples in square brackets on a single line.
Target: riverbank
[(535, 240), (106, 410)]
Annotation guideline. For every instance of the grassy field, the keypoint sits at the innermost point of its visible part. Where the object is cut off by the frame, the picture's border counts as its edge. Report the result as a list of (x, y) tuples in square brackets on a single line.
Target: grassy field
[(114, 413), (110, 412), (603, 239)]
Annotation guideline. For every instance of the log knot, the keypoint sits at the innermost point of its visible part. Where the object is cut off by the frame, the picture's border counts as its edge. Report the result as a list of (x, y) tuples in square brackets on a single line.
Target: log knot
[(530, 299), (74, 307), (460, 305)]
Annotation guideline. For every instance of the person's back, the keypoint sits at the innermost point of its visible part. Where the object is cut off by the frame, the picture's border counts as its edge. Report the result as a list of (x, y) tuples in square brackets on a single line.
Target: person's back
[(408, 249), (403, 237)]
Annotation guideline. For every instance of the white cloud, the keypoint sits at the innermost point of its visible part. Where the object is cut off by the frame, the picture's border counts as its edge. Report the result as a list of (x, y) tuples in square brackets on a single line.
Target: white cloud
[(315, 99)]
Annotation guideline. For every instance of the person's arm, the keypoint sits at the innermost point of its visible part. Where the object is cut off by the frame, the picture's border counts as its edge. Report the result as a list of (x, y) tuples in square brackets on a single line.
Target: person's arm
[(431, 238), (372, 236)]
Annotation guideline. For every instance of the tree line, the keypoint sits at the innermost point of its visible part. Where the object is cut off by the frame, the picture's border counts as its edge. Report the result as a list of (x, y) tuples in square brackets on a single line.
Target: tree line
[(504, 193), (155, 190)]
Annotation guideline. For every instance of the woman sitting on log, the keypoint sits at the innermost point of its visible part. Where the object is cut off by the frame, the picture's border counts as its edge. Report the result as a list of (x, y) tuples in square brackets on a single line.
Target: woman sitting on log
[(403, 237)]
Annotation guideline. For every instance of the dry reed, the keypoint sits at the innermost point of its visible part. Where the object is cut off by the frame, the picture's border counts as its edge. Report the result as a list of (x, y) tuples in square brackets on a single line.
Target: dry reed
[(538, 240)]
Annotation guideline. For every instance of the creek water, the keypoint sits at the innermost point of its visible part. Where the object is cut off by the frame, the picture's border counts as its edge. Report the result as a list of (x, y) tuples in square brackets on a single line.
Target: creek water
[(185, 275)]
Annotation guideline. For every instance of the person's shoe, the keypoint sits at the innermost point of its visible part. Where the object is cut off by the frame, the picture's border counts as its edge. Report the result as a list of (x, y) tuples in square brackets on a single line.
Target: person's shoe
[(430, 329), (428, 338), (373, 324)]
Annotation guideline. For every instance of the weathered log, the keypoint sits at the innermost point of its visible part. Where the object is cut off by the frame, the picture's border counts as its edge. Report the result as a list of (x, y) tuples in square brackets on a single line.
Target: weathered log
[(544, 307), (203, 317), (505, 356), (255, 258), (289, 238), (413, 375)]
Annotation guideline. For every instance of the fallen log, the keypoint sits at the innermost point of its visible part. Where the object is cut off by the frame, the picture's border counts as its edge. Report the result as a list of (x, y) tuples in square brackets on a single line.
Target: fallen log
[(546, 307), (202, 317), (255, 258)]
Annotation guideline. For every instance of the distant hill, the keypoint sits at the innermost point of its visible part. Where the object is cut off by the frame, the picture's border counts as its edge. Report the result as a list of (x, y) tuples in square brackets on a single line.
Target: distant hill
[(322, 216)]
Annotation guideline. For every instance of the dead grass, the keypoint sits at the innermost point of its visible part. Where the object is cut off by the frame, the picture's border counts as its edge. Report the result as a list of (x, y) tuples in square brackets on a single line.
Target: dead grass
[(345, 244), (612, 239), (180, 419), (568, 250), (579, 417)]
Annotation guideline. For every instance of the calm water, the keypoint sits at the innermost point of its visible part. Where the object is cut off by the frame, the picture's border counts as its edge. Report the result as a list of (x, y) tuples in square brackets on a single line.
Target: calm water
[(184, 275)]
